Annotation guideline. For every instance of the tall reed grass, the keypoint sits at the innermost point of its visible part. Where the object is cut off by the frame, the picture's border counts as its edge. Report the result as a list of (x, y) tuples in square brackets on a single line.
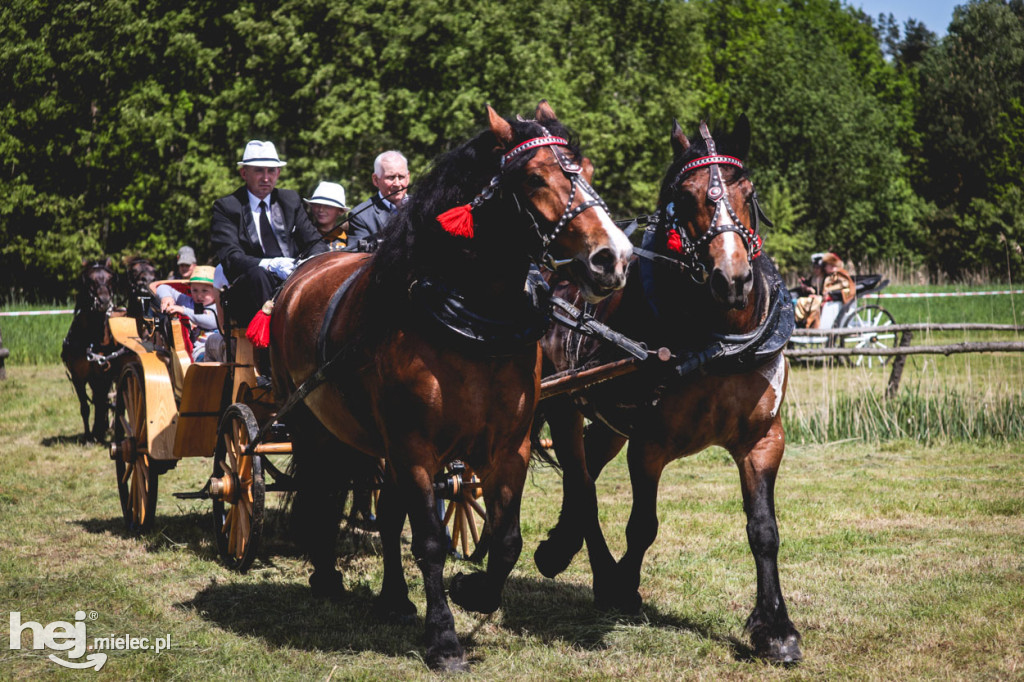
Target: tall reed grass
[(36, 339), (911, 415)]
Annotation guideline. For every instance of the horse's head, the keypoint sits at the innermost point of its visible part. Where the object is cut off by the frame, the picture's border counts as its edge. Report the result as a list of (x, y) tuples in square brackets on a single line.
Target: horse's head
[(96, 291), (140, 272), (709, 213), (551, 180)]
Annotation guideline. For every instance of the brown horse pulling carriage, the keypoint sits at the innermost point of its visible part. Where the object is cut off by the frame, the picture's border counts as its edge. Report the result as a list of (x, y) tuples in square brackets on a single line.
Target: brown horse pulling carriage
[(703, 289), (394, 356)]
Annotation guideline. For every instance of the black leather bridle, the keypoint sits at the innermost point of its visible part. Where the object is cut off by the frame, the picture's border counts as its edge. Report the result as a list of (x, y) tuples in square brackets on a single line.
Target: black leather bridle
[(693, 252), (572, 170)]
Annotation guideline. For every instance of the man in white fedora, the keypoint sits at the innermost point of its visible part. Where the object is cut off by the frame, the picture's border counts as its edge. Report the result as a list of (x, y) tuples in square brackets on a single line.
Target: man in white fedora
[(326, 207), (259, 231)]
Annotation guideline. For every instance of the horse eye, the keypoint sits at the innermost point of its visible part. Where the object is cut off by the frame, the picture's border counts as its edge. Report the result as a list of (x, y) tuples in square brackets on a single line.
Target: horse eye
[(535, 180)]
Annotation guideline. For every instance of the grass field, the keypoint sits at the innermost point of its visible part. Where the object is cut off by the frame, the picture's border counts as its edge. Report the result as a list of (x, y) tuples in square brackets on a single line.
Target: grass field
[(902, 527), (897, 560)]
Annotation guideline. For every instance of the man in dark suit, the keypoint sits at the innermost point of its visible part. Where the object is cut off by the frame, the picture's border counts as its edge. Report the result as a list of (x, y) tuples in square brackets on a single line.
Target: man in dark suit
[(391, 178), (259, 231)]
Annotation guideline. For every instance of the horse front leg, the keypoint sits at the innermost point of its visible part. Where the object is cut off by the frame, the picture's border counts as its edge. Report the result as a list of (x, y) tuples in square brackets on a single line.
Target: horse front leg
[(101, 404), (646, 463), (393, 603), (554, 554), (771, 631), (503, 493), (582, 454), (430, 549)]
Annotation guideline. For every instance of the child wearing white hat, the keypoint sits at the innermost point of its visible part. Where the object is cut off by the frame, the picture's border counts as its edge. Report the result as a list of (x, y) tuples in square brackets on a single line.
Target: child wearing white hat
[(326, 207)]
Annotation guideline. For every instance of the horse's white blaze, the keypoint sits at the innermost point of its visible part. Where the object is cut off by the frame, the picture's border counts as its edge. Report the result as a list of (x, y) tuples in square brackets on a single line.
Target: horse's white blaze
[(733, 247), (619, 244)]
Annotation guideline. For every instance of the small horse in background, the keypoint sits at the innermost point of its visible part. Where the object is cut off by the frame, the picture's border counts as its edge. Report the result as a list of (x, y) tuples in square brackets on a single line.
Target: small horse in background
[(139, 272), (704, 290), (437, 339), (89, 353)]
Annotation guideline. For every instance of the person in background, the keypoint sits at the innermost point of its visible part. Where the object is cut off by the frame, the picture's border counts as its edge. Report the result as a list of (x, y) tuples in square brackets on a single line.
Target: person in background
[(828, 282), (326, 207), (200, 308), (258, 231), (391, 178), (185, 263)]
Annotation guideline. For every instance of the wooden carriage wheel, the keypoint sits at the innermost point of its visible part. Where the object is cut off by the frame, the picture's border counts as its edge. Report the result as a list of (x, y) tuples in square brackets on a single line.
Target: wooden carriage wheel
[(237, 489), (137, 477), (870, 316), (464, 516)]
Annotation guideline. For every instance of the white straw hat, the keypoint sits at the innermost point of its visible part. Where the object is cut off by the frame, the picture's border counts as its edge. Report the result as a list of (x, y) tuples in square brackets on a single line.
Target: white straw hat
[(328, 194), (260, 153)]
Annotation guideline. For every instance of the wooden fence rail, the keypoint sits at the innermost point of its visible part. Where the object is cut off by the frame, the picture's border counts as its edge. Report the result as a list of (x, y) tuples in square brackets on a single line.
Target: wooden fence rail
[(903, 349)]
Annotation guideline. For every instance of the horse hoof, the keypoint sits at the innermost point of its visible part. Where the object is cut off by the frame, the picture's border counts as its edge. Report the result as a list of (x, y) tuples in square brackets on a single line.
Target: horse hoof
[(472, 593), (554, 557), (776, 648), (450, 664), (397, 611), (327, 585), (607, 600), (786, 650)]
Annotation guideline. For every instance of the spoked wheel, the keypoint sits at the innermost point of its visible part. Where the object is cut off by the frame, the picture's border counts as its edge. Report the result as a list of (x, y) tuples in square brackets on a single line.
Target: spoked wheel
[(137, 477), (237, 489), (463, 516), (870, 316)]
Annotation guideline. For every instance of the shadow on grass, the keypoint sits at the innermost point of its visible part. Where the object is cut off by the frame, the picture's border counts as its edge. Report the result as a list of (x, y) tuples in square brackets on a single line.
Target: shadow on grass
[(556, 611), (193, 530), (286, 615), (76, 439)]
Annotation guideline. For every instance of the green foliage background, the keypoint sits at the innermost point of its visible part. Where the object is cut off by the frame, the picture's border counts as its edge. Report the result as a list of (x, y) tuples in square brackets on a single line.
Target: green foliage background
[(124, 119)]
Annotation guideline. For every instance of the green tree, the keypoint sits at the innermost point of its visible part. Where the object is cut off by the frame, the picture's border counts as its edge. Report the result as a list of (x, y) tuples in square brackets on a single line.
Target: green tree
[(970, 120)]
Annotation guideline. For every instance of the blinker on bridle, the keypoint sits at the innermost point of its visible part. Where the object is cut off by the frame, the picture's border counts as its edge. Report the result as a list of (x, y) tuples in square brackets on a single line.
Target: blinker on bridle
[(459, 220), (690, 250)]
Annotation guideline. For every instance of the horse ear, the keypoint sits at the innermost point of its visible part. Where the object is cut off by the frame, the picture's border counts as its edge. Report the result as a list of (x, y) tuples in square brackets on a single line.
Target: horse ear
[(741, 137), (545, 113), (680, 143), (500, 127), (106, 262)]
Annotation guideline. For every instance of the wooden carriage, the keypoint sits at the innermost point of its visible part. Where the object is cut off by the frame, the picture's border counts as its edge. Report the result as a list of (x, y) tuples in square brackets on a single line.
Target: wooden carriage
[(169, 408)]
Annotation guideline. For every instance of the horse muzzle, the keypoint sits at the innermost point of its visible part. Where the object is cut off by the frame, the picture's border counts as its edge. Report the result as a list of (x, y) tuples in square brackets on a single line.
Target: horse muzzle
[(732, 289)]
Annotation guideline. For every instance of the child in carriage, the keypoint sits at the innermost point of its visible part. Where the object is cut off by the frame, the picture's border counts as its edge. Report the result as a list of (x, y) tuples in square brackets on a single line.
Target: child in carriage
[(828, 282), (200, 309)]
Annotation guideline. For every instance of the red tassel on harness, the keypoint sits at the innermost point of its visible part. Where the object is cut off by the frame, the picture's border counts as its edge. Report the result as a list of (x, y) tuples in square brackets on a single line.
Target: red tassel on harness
[(458, 221), (675, 242), (258, 330)]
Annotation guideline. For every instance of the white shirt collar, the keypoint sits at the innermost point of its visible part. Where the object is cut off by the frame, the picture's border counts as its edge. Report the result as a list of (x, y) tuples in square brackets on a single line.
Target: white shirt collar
[(390, 206), (254, 201)]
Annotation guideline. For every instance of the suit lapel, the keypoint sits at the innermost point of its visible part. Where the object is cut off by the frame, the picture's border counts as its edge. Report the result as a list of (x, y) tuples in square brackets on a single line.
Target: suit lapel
[(248, 226)]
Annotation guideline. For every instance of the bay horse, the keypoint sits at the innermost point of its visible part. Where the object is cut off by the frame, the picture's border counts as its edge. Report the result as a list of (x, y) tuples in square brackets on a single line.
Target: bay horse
[(89, 352), (437, 336), (705, 290)]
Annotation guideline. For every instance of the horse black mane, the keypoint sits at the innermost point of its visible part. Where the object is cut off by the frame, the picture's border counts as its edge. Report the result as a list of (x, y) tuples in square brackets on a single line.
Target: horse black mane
[(415, 245)]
